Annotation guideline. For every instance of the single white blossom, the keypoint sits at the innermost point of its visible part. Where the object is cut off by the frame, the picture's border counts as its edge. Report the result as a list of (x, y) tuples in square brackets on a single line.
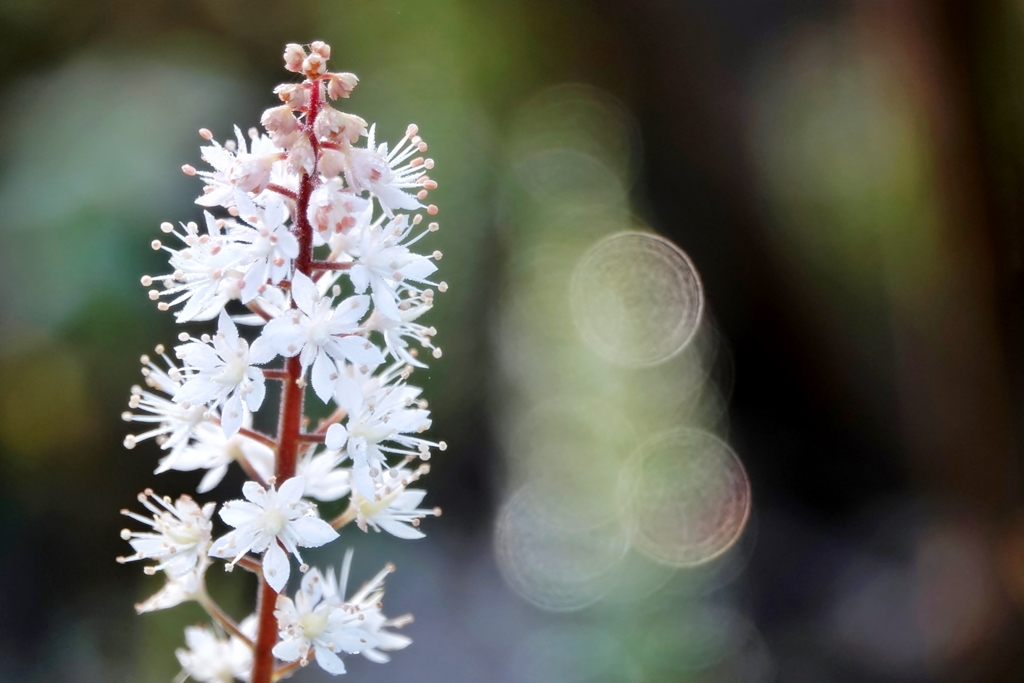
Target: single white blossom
[(319, 620), (394, 508), (273, 522), (210, 658), (180, 536), (174, 423), (318, 332), (221, 375)]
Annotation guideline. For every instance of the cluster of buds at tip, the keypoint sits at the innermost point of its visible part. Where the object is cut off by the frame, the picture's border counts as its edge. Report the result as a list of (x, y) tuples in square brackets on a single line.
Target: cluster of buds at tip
[(304, 259)]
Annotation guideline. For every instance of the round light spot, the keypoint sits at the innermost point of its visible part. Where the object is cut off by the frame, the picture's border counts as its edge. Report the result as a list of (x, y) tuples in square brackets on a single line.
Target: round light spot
[(685, 498), (636, 298), (555, 567)]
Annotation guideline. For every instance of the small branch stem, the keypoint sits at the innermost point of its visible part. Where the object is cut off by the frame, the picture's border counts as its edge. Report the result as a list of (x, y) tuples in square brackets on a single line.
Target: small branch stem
[(258, 436), (250, 564), (274, 373), (344, 518), (274, 187), (221, 617), (311, 438), (258, 310), (330, 265), (288, 669)]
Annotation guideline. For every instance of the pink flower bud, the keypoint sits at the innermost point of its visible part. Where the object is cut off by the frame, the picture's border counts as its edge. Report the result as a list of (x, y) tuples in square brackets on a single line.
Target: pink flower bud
[(293, 94), (314, 66), (321, 48), (340, 85), (293, 57)]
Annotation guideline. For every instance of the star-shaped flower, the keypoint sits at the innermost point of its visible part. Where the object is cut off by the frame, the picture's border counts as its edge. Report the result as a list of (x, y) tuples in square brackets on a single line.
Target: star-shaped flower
[(272, 522)]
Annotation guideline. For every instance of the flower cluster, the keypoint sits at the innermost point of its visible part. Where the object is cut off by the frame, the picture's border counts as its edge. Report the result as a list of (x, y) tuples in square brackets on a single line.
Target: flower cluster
[(306, 246)]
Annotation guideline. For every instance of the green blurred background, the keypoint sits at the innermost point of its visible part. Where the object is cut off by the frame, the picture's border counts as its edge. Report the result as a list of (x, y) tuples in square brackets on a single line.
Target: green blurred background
[(847, 179)]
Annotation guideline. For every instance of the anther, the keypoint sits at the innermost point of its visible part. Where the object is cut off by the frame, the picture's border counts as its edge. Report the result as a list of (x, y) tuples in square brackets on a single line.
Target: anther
[(205, 134), (437, 255), (146, 281), (433, 227), (156, 245), (188, 169), (432, 209), (436, 353), (163, 306), (166, 227), (443, 287)]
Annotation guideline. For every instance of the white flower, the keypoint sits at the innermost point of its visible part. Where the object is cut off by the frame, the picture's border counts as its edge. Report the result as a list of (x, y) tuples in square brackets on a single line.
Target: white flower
[(318, 619), (325, 481), (237, 171), (373, 169), (211, 450), (396, 331), (267, 520), (318, 332), (385, 265), (268, 243), (205, 274), (332, 210), (176, 591), (180, 537), (376, 416), (211, 659), (175, 423), (220, 375), (394, 509)]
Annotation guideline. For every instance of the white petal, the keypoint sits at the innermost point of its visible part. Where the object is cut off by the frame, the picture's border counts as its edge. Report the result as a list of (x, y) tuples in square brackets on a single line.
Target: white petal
[(291, 491), (305, 293), (328, 661), (336, 437), (276, 567), (400, 529), (312, 532), (231, 418), (323, 376)]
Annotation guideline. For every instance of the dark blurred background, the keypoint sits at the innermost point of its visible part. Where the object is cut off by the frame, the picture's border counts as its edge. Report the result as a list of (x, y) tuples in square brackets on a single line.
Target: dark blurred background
[(846, 177)]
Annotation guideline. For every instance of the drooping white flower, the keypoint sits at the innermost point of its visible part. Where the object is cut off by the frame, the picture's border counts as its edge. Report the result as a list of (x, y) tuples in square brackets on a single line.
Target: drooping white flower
[(176, 591), (174, 423), (205, 272), (375, 170), (211, 450), (237, 170), (320, 620), (267, 520), (397, 332), (394, 508), (318, 332), (210, 658), (180, 536), (221, 375)]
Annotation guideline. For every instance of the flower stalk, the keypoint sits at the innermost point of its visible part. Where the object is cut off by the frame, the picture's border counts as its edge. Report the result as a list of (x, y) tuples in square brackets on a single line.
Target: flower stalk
[(312, 253)]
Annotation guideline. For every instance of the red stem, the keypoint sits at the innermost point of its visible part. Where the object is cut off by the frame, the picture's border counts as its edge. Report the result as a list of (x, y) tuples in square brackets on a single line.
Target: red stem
[(289, 425)]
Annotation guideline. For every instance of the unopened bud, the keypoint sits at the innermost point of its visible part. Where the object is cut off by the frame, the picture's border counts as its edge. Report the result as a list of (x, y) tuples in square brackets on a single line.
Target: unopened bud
[(293, 57), (341, 85), (292, 94), (314, 66), (321, 48)]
